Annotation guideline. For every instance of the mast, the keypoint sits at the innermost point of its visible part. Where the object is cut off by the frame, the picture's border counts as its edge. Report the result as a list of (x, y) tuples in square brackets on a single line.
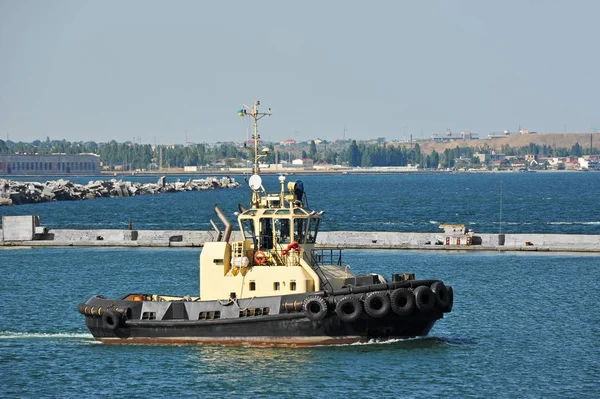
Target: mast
[(253, 112)]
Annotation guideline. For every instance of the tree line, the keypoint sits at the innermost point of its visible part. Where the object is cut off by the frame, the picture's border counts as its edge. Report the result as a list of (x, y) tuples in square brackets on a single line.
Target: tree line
[(134, 156)]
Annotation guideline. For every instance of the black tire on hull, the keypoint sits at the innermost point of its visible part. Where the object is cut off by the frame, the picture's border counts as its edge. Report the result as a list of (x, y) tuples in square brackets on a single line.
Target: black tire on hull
[(111, 319), (315, 308), (424, 299), (377, 304), (402, 301), (441, 294), (348, 309)]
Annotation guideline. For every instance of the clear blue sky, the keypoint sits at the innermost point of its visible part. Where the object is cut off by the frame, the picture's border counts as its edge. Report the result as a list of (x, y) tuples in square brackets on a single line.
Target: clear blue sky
[(103, 70)]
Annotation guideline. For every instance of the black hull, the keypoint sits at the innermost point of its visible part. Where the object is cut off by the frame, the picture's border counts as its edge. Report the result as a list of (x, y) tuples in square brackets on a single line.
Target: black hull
[(277, 330), (288, 320)]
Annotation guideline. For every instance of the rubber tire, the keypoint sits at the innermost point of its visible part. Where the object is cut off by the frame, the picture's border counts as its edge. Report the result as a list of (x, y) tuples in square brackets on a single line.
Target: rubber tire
[(112, 319), (315, 308), (424, 299), (441, 294), (348, 309), (377, 304), (450, 299), (402, 301)]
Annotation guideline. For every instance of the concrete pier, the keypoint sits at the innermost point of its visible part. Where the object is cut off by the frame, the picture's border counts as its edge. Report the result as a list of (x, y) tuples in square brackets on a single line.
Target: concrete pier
[(26, 231), (481, 242)]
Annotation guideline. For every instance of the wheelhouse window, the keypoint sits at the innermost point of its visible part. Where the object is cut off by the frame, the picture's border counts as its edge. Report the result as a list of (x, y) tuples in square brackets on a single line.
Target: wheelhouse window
[(266, 233), (299, 230), (313, 229), (282, 231), (248, 229)]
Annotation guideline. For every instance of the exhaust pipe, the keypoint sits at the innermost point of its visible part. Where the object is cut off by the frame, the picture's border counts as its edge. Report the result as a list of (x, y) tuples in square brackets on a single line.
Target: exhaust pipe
[(217, 230), (225, 221)]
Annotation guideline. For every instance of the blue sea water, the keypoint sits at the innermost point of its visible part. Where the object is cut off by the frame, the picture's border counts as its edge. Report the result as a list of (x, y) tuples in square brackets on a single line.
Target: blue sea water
[(486, 203), (523, 324)]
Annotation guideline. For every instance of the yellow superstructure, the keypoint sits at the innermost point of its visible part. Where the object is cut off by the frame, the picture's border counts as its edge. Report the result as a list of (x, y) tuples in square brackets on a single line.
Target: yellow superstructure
[(275, 256)]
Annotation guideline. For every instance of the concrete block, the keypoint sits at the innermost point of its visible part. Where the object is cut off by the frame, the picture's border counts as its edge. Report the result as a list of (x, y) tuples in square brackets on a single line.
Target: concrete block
[(18, 228), (40, 230)]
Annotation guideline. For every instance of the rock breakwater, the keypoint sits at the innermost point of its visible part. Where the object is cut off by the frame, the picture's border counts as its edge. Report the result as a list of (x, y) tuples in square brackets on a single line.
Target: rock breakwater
[(17, 193)]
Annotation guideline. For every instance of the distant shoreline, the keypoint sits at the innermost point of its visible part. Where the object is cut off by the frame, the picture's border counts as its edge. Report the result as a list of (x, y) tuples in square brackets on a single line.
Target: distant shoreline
[(236, 172), (233, 172)]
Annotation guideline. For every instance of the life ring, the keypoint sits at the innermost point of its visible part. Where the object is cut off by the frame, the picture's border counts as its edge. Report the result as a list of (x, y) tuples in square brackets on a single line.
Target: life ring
[(402, 301), (294, 246), (348, 309), (377, 304), (260, 258), (441, 294), (111, 319), (424, 298), (315, 308)]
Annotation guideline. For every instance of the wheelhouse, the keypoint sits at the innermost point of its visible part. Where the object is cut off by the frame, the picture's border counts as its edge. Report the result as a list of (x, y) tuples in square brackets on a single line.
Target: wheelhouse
[(269, 229)]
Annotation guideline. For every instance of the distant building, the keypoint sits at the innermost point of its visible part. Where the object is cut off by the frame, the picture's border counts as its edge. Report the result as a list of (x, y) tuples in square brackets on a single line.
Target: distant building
[(302, 162), (588, 164), (532, 157), (457, 234), (503, 135), (49, 164), (445, 138), (466, 135), (555, 162), (572, 162)]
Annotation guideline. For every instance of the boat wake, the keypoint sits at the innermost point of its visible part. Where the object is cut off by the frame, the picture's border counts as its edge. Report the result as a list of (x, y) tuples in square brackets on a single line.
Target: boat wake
[(418, 342), (571, 223), (26, 335)]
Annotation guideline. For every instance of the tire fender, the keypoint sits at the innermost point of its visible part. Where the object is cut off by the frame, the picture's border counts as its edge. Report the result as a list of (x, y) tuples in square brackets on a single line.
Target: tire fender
[(424, 299), (348, 309), (441, 294), (315, 308), (112, 319), (377, 304), (402, 301)]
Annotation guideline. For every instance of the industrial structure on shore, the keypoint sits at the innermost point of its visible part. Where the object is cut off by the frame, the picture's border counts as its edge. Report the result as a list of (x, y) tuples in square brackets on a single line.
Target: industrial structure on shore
[(49, 164)]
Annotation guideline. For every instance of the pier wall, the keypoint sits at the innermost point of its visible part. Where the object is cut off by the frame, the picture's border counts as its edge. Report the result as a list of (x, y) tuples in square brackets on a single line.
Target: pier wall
[(11, 236), (116, 238), (435, 241)]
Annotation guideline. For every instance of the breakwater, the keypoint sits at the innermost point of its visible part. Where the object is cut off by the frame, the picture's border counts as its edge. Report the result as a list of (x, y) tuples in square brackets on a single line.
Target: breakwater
[(25, 231), (17, 193)]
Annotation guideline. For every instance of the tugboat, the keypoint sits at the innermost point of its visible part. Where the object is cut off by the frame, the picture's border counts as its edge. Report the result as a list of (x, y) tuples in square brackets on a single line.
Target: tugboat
[(273, 287)]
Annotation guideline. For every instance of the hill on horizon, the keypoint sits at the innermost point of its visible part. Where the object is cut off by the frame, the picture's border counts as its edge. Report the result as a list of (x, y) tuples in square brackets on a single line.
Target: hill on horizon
[(558, 140)]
